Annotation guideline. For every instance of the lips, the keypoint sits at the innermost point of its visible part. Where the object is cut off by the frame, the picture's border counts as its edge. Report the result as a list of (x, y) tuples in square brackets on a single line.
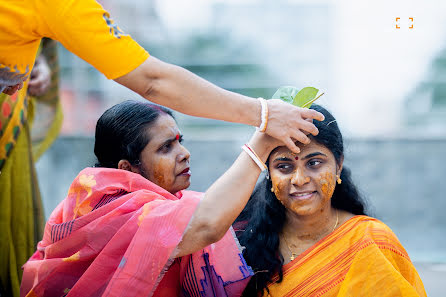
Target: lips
[(185, 172), (302, 195)]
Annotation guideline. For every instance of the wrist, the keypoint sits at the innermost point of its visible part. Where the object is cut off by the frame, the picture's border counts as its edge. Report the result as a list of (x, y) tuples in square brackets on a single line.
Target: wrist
[(263, 115), (261, 147), (250, 112)]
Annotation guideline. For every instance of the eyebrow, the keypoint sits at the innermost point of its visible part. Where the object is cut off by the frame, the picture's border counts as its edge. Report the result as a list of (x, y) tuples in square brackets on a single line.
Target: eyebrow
[(282, 159), (170, 140), (313, 155)]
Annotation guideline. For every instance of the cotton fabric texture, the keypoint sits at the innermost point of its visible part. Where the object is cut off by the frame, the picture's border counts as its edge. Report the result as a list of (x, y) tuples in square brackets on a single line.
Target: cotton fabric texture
[(21, 211), (116, 234), (363, 257), (82, 26)]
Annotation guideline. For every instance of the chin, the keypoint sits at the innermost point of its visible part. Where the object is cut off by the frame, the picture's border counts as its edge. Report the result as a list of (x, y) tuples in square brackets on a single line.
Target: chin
[(305, 210), (182, 187)]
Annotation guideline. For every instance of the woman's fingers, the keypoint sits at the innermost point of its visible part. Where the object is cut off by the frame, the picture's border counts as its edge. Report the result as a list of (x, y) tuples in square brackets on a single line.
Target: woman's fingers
[(40, 78), (312, 114), (287, 122), (300, 136), (309, 127), (291, 145), (38, 87), (12, 89)]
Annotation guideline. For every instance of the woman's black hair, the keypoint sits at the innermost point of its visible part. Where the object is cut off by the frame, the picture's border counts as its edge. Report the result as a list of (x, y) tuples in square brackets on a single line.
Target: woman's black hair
[(263, 218), (121, 132)]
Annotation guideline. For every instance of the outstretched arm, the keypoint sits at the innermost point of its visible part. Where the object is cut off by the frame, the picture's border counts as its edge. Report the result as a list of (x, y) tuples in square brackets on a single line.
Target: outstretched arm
[(226, 198), (181, 90)]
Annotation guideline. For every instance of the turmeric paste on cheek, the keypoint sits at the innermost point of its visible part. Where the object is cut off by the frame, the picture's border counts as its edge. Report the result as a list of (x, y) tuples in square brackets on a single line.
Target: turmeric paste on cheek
[(158, 174), (327, 183), (278, 185)]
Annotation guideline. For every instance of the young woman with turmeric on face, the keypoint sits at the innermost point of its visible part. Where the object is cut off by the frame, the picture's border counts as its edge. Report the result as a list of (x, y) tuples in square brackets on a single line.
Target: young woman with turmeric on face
[(306, 232)]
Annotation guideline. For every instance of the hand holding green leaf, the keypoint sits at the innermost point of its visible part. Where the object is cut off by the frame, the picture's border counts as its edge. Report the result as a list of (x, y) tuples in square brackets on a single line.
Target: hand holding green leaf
[(291, 125), (303, 98)]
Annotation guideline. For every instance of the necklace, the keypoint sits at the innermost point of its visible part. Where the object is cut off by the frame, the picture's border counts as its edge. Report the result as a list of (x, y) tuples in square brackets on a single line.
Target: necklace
[(294, 255)]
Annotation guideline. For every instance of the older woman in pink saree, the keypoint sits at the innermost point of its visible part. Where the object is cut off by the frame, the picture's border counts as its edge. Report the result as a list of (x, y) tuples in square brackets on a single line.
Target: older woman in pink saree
[(128, 227)]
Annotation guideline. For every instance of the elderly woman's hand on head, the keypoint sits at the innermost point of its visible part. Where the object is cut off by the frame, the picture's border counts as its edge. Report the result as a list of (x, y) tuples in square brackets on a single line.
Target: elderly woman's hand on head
[(289, 123)]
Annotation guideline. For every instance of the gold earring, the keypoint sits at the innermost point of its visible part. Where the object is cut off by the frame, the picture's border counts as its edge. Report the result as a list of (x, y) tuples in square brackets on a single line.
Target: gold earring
[(339, 180), (272, 189)]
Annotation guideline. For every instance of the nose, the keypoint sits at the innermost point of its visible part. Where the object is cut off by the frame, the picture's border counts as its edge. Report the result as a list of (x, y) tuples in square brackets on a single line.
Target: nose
[(300, 178), (183, 155)]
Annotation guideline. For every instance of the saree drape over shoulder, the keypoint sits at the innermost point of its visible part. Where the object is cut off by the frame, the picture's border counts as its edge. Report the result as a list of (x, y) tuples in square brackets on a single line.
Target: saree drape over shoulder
[(116, 234), (363, 257), (21, 211)]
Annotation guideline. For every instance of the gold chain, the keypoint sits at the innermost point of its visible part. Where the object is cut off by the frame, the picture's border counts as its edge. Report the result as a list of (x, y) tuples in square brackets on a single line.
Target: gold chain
[(294, 255), (337, 220)]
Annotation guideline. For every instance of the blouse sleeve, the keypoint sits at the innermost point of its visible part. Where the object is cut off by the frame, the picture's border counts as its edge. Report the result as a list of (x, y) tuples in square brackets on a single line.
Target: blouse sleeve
[(87, 30)]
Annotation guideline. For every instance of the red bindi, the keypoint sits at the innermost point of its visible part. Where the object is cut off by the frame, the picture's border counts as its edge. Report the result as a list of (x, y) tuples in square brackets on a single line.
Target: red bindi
[(296, 158), (177, 137)]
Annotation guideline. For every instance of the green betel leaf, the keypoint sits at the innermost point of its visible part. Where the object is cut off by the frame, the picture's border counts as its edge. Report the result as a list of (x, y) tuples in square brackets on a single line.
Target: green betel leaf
[(304, 97), (286, 94)]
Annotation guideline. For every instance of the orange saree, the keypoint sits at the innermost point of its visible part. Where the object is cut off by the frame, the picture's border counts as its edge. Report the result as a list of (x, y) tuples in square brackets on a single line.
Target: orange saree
[(116, 234), (361, 258)]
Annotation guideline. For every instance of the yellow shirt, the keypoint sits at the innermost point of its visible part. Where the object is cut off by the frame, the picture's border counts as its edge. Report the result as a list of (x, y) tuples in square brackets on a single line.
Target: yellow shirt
[(82, 26)]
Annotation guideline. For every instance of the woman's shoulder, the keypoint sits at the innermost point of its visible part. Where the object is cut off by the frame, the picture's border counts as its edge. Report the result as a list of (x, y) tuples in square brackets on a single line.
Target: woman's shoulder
[(374, 224), (369, 228), (371, 225), (376, 231)]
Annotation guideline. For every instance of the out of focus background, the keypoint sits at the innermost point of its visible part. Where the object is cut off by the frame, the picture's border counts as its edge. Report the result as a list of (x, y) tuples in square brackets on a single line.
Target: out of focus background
[(385, 85)]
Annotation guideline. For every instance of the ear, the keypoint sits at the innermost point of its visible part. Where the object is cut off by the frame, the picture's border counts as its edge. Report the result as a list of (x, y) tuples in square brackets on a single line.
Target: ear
[(125, 165), (339, 166)]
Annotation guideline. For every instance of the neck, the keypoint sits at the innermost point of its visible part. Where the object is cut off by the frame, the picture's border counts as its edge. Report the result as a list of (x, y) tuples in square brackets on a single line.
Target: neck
[(310, 227)]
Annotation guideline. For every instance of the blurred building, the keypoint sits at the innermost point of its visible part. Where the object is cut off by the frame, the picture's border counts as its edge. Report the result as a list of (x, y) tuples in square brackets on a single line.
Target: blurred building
[(425, 106), (370, 71), (250, 48)]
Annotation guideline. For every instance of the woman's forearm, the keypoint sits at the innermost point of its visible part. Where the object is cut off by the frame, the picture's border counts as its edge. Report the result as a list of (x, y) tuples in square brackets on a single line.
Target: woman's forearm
[(181, 90), (224, 200)]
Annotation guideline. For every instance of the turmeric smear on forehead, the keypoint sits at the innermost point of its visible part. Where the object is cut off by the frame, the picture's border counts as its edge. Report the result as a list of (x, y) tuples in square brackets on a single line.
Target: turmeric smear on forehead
[(327, 183)]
